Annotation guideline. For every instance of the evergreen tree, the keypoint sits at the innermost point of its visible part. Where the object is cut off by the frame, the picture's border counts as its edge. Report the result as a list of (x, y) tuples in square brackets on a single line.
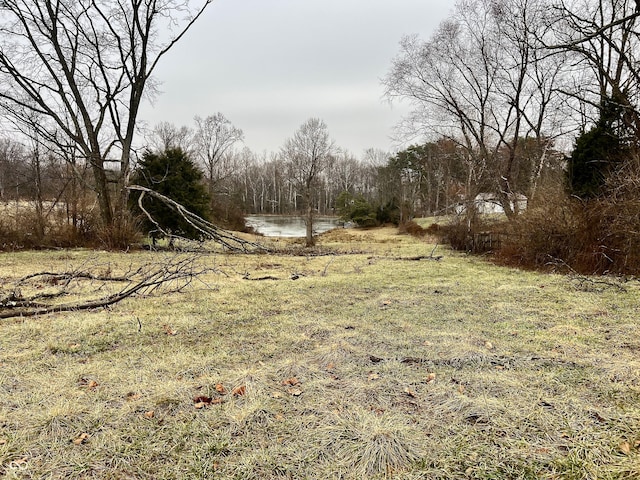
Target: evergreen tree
[(597, 153), (173, 174)]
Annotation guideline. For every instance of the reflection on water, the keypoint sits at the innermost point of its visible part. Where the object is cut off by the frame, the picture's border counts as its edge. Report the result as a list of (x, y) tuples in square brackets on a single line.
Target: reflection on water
[(285, 226)]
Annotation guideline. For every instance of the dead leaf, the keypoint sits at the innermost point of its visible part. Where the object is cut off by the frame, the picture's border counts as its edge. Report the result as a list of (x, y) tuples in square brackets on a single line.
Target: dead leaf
[(202, 399), (296, 392), (85, 382), (460, 388), (131, 396), (220, 389), (150, 414), (625, 448), (168, 330), (373, 376), (276, 394), (80, 439), (291, 381), (410, 392), (431, 377), (239, 391), (488, 345)]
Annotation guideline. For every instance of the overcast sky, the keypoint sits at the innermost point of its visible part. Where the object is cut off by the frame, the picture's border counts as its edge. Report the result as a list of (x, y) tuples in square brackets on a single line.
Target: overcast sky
[(269, 65)]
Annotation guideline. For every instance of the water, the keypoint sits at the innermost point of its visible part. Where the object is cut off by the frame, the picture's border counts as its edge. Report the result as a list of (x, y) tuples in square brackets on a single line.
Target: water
[(287, 226)]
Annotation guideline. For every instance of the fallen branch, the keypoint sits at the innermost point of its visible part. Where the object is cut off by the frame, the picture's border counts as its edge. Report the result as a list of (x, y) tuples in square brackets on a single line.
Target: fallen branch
[(267, 277), (436, 258), (421, 257), (169, 276), (207, 229), (584, 280)]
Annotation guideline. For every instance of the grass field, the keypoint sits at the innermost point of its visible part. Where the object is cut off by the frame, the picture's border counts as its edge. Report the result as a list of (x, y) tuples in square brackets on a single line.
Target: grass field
[(368, 365)]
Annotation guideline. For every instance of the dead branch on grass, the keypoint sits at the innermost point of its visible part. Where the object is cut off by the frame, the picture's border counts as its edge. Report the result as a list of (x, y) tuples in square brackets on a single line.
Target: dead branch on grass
[(417, 258), (172, 275), (247, 276), (207, 229), (585, 282)]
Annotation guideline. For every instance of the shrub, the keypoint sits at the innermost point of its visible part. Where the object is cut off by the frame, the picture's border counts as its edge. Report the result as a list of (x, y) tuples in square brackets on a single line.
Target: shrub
[(356, 209), (595, 236), (388, 213), (22, 228), (546, 236), (412, 228), (227, 214)]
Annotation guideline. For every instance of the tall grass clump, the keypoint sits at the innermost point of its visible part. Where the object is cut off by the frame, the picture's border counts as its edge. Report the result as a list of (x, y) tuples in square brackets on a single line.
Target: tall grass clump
[(371, 444)]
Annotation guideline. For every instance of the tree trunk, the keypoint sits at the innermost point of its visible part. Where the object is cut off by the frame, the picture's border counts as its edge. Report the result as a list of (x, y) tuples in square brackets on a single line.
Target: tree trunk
[(102, 190), (39, 200), (310, 242)]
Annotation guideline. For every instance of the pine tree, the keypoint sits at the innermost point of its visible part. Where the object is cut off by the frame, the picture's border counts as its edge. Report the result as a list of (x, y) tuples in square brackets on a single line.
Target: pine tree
[(598, 152), (173, 174)]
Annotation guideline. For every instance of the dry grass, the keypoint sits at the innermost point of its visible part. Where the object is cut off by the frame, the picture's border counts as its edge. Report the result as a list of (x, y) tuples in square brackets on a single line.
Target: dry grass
[(366, 366)]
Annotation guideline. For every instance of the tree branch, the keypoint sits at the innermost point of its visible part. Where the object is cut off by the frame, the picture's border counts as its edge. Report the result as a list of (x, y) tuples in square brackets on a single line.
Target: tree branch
[(206, 228), (171, 275)]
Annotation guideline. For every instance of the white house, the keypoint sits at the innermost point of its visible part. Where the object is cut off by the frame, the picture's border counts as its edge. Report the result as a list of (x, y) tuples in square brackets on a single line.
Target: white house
[(487, 203)]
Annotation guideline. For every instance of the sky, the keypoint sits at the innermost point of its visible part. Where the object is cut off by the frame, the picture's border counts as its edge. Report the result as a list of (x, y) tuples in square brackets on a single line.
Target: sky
[(270, 65)]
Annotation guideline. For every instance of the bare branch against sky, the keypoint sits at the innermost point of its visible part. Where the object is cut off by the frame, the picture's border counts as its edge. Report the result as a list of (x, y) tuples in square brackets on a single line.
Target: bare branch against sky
[(268, 66)]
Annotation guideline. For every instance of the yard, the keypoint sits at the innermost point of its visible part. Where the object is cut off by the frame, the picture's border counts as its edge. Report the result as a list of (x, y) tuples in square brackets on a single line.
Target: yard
[(356, 361)]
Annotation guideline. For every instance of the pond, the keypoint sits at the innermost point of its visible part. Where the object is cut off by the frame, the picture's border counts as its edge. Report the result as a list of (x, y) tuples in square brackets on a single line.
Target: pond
[(288, 226)]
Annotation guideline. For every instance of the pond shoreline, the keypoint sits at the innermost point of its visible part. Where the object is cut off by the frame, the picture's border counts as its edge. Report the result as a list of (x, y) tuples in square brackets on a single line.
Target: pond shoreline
[(290, 226)]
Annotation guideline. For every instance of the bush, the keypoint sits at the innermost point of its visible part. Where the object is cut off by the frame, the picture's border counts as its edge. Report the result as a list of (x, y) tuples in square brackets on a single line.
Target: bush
[(596, 236), (388, 213), (412, 228), (227, 214), (356, 209), (546, 236), (21, 228)]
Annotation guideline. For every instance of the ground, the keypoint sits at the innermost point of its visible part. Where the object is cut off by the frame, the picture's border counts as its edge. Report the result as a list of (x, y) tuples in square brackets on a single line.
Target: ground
[(367, 365)]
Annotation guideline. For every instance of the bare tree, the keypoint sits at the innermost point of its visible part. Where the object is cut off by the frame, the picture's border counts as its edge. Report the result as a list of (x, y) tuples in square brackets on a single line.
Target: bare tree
[(604, 40), (308, 153), (166, 135), (449, 80), (484, 82), (84, 66), (215, 137)]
